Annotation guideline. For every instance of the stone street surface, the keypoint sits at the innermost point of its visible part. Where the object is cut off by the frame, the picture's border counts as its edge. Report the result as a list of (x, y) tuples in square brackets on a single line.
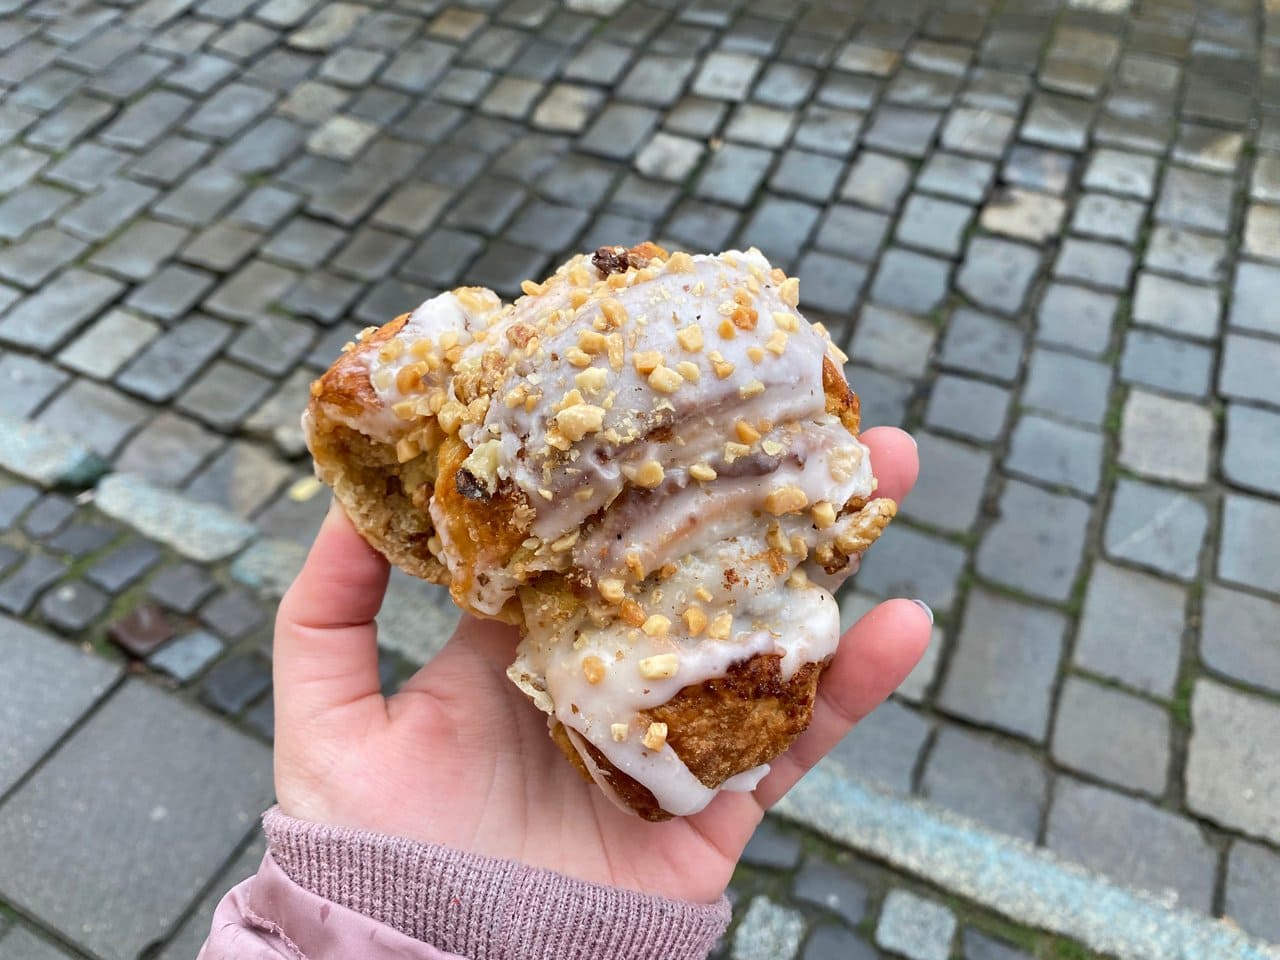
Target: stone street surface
[(1046, 231)]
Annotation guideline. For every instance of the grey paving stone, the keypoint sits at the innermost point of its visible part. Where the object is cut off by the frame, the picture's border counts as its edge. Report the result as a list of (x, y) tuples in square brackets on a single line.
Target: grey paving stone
[(50, 514), (978, 343), (1182, 308), (1075, 317), (830, 888), (96, 217), (247, 293), (184, 658), (760, 126), (852, 231), (978, 946), (1131, 629), (953, 478), (169, 160), (893, 341), (1101, 829), (1035, 168), (997, 274), (146, 752), (1104, 265), (1252, 300), (418, 64), (1126, 173), (25, 209), (1107, 217), (1023, 214), (51, 685), (1056, 453), (1057, 121), (1249, 553), (86, 166), (836, 943), (1247, 371), (181, 587), (914, 564), (171, 293), (235, 683), (830, 284), (1196, 256), (884, 747), (934, 225), (1253, 872), (970, 408), (828, 130), (1208, 148), (21, 588), (1037, 543), (726, 76), (1231, 766), (98, 416), (201, 197), (123, 565), (137, 252), (1189, 198), (39, 256), (910, 281), (170, 361), (413, 207), (224, 394), (1067, 386), (915, 927), (951, 175), (241, 478), (82, 538), (14, 500), (772, 847), (1112, 736), (74, 119), (146, 120), (20, 165), (877, 181), (988, 781), (1166, 439), (1251, 457), (982, 133), (222, 247), (26, 383), (733, 174), (1166, 363), (1238, 636), (21, 944), (370, 254), (902, 130), (1156, 527), (72, 606), (884, 398)]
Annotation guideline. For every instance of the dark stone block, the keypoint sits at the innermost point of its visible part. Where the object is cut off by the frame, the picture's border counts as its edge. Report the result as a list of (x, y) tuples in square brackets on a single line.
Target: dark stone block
[(233, 613), (986, 779), (182, 587), (73, 606), (235, 683), (141, 631), (50, 515), (123, 565)]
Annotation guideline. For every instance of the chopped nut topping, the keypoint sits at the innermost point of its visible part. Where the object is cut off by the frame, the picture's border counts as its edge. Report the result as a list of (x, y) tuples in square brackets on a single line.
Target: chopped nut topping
[(619, 731), (646, 361), (655, 738), (727, 330), (406, 449), (578, 298), (565, 543), (665, 380), (613, 311), (690, 338), (689, 371), (635, 566), (721, 627), (733, 450), (798, 580), (391, 351), (656, 626), (772, 447), (695, 620), (755, 353), (799, 547), (591, 341), (405, 410), (612, 589), (451, 417), (746, 432), (577, 357), (702, 472), (785, 321), (776, 539), (632, 612), (593, 669), (824, 514), (777, 343), (752, 389), (532, 288), (723, 368), (789, 292), (788, 499), (616, 350), (592, 379), (578, 421), (680, 262), (578, 276), (703, 594), (647, 475)]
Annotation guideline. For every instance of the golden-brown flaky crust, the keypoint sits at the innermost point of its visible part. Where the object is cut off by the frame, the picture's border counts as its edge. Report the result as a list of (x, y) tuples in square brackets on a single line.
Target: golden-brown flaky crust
[(719, 728)]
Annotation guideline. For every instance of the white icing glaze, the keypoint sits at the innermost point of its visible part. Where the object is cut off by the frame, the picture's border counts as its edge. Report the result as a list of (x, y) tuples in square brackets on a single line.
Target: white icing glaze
[(747, 780)]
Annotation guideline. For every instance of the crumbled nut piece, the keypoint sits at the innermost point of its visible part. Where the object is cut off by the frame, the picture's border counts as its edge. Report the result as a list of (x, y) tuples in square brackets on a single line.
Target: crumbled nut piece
[(789, 292), (695, 620), (516, 396), (578, 421), (702, 472), (667, 571), (451, 417), (788, 499), (721, 627), (688, 371), (613, 311), (577, 357), (647, 475), (680, 262), (690, 338), (391, 351), (656, 626), (366, 333), (744, 315), (612, 589), (578, 298), (616, 350), (755, 352), (798, 580), (776, 539), (799, 546), (665, 380), (578, 276), (777, 343), (785, 321), (752, 389), (655, 738), (635, 566), (593, 669), (409, 378), (592, 379), (772, 447), (406, 449), (646, 361), (703, 594), (565, 543), (405, 410), (545, 494), (632, 612), (727, 330), (619, 731), (591, 341), (824, 514), (532, 288), (722, 367), (746, 432), (733, 450)]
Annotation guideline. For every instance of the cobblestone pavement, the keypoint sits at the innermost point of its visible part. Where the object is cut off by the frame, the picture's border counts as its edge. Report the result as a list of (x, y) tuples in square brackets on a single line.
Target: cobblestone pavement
[(1048, 233)]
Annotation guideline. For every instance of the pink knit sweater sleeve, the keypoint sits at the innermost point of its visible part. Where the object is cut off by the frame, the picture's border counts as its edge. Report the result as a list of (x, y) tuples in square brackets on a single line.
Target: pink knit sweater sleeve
[(328, 893)]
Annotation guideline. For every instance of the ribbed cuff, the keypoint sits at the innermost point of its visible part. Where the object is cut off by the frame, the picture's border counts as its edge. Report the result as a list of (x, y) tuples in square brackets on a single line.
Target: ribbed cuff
[(483, 908)]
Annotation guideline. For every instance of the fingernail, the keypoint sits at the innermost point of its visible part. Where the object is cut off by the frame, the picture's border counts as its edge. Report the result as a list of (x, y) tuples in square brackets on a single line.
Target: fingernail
[(925, 607)]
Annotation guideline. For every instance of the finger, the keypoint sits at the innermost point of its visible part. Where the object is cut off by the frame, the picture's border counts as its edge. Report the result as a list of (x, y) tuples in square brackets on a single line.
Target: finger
[(874, 657), (326, 649), (894, 461)]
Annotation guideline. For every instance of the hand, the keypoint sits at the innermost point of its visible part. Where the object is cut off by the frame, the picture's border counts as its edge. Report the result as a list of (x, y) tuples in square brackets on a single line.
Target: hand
[(460, 757)]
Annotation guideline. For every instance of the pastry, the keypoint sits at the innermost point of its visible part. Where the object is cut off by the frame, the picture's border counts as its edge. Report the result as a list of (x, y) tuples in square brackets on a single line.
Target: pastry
[(649, 464)]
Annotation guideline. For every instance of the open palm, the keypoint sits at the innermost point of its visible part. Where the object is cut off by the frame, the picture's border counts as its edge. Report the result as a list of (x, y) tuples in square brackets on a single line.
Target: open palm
[(460, 757)]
